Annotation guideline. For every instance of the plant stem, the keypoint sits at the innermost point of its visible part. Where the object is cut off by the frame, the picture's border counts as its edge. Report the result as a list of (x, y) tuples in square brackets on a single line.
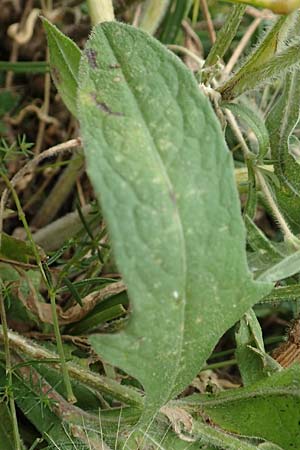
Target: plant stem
[(125, 394), (70, 396), (239, 135), (101, 11), (288, 235), (12, 405), (51, 291)]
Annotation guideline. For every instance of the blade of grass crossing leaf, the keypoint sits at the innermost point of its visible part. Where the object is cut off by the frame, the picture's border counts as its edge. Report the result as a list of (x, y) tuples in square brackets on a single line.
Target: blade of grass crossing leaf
[(64, 64), (151, 169)]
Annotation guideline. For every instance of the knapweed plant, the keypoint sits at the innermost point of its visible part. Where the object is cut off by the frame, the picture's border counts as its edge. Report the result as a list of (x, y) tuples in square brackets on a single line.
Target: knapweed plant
[(168, 152)]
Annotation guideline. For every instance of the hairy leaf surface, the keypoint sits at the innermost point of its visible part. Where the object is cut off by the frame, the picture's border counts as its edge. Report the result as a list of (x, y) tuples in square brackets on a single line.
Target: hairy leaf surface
[(269, 409), (160, 167)]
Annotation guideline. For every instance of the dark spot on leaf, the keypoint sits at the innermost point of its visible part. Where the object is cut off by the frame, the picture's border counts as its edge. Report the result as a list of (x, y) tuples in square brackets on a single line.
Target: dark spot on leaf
[(172, 196), (104, 107), (114, 66), (91, 55), (56, 74)]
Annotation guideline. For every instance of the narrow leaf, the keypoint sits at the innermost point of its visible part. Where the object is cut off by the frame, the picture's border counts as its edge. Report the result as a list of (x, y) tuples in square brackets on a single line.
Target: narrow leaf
[(288, 267), (267, 48), (225, 36), (254, 363), (283, 294), (64, 64), (276, 66), (159, 164)]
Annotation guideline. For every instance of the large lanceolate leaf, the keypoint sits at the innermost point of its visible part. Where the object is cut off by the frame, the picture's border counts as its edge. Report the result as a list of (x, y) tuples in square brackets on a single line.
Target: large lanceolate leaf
[(286, 166), (161, 169)]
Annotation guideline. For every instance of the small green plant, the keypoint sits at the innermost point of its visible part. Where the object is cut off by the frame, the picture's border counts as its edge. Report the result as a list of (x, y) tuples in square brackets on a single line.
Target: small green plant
[(159, 154)]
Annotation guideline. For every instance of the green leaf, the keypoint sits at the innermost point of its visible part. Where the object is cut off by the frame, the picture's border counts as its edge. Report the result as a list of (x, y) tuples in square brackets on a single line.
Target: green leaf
[(260, 243), (6, 429), (220, 439), (254, 363), (269, 409), (288, 267), (25, 66), (64, 64), (158, 162), (225, 37), (281, 123), (275, 67), (250, 363), (283, 294), (174, 17), (15, 249), (8, 101), (257, 63), (269, 45)]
